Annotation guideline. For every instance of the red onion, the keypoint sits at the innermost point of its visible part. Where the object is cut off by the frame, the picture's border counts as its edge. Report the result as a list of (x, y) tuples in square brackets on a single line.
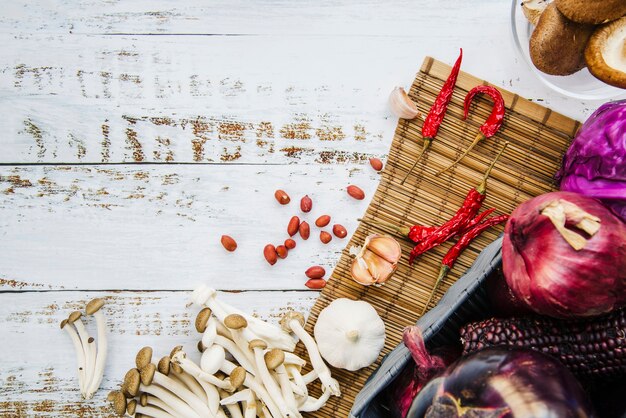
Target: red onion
[(564, 255)]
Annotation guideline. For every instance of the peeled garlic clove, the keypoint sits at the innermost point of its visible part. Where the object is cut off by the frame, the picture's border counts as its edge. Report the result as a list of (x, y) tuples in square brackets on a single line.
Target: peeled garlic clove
[(385, 247), (380, 269), (360, 272), (401, 105)]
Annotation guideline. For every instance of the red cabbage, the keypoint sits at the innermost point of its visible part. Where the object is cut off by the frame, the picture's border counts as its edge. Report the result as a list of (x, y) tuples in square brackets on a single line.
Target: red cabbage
[(595, 163)]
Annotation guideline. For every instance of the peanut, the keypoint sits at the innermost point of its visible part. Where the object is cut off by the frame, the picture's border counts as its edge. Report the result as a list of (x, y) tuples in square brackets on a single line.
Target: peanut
[(281, 251), (322, 221), (269, 252), (315, 272), (315, 284), (376, 164), (356, 192), (290, 244), (325, 237), (306, 204), (282, 197), (292, 227), (229, 243), (304, 230), (339, 231)]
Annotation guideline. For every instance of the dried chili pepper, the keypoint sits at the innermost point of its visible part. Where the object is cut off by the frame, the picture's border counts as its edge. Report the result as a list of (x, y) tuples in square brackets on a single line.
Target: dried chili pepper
[(477, 219), (455, 251), (491, 125), (461, 218), (416, 233), (437, 112)]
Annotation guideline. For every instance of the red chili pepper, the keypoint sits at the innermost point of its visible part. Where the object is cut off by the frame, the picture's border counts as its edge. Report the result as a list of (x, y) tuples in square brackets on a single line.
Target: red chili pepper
[(437, 112), (461, 218), (455, 251), (491, 125), (477, 219)]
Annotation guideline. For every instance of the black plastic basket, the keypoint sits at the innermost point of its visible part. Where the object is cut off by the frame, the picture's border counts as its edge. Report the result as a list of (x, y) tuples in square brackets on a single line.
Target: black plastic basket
[(464, 301)]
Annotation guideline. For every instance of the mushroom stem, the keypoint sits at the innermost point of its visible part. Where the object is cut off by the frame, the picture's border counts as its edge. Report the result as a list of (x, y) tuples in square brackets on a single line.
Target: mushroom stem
[(236, 352), (190, 383), (233, 408), (133, 385), (80, 355), (193, 369), (74, 319), (313, 404), (291, 358), (94, 308), (286, 388), (210, 333), (251, 406), (310, 377), (135, 408), (91, 349), (294, 324), (149, 374), (145, 400), (297, 379), (251, 382)]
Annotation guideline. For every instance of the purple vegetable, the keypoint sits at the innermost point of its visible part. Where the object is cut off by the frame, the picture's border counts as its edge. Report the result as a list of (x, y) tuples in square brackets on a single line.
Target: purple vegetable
[(595, 163), (564, 255), (501, 383)]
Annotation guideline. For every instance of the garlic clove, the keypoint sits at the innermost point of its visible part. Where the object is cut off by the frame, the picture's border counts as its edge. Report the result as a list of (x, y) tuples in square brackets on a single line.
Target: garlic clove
[(380, 269), (360, 273), (385, 247), (401, 104)]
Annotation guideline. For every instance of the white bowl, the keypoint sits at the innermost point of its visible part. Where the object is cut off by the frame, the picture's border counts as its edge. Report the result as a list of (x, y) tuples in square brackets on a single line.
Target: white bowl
[(581, 85)]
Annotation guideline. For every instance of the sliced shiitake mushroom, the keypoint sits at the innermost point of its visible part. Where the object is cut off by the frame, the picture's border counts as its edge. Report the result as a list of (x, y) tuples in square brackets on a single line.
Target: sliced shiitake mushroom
[(606, 53), (557, 45), (592, 11), (533, 8)]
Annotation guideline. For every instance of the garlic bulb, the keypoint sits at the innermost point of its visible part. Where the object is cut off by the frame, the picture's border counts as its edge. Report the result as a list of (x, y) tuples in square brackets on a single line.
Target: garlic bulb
[(401, 105), (349, 334), (376, 261)]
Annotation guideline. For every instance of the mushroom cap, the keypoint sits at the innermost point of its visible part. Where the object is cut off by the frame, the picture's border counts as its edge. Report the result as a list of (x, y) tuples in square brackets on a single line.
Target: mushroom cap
[(257, 343), (118, 401), (202, 318), (111, 395), (131, 407), (533, 8), (201, 346), (291, 316), (235, 321), (212, 359), (74, 316), (606, 53), (164, 365), (237, 377), (94, 306), (176, 350), (557, 45), (349, 334), (143, 399), (592, 11), (147, 374), (274, 358), (143, 357), (132, 379), (63, 323)]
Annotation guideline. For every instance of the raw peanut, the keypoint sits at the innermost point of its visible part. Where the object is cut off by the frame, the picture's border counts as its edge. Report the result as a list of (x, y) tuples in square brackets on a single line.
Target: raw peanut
[(322, 221), (325, 237), (290, 244), (306, 204), (376, 164), (269, 252), (339, 231), (281, 251), (305, 230), (356, 192), (282, 197), (315, 284), (315, 272), (294, 224), (229, 243)]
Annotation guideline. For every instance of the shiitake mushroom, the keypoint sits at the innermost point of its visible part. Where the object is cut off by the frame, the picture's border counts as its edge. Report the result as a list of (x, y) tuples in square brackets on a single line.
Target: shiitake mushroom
[(557, 45), (606, 53), (592, 11)]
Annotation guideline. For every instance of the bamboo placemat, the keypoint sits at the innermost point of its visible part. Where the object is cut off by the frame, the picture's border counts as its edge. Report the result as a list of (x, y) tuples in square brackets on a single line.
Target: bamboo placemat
[(537, 139)]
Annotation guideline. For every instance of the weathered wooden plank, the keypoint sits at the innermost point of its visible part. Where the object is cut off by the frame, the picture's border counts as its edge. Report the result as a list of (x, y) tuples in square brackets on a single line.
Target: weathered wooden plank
[(158, 226), (38, 376)]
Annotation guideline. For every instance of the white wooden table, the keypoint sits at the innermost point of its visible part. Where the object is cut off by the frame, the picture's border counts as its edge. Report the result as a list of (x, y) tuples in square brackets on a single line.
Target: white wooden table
[(135, 133)]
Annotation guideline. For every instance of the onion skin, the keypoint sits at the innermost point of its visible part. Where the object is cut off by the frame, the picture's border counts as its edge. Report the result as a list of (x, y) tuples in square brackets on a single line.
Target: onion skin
[(549, 276)]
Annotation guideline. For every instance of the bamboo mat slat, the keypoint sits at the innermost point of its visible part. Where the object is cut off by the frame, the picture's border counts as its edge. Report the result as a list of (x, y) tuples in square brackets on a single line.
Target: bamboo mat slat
[(537, 137)]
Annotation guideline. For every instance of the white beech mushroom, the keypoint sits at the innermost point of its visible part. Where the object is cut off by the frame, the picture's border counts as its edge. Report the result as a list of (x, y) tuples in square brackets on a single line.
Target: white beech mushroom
[(80, 355), (236, 352), (94, 308), (274, 360), (132, 385), (294, 373), (212, 359), (134, 409), (193, 369), (313, 404), (246, 397), (164, 367), (294, 322), (349, 333), (146, 399), (233, 408), (74, 319), (149, 375)]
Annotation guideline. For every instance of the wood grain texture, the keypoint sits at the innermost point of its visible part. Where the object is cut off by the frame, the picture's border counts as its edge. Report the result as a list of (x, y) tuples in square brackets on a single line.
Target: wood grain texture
[(38, 376)]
